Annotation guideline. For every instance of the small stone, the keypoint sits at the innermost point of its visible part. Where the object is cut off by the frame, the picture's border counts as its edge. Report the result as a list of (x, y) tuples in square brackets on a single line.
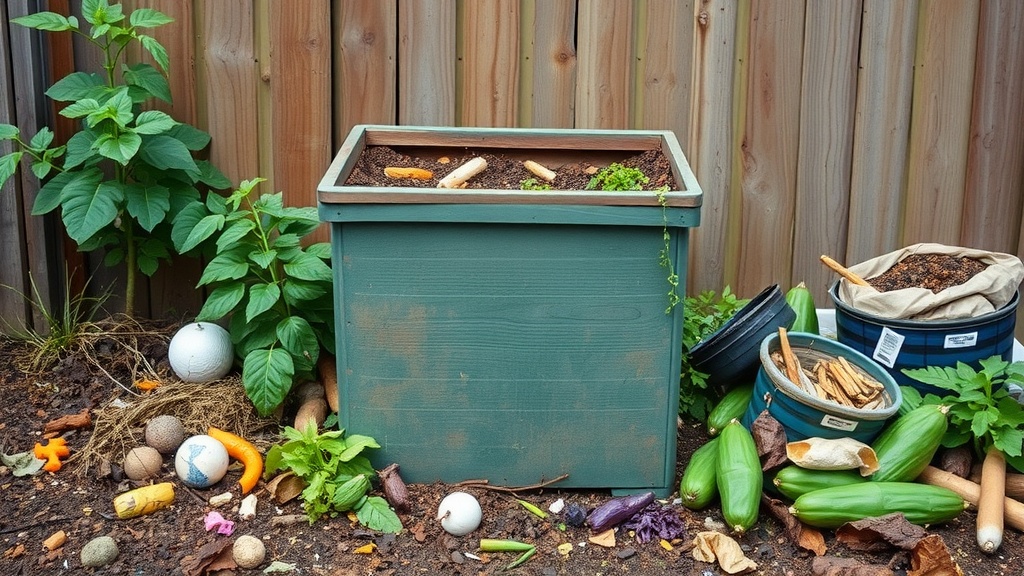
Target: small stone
[(626, 553), (248, 551), (457, 557), (99, 551), (549, 571)]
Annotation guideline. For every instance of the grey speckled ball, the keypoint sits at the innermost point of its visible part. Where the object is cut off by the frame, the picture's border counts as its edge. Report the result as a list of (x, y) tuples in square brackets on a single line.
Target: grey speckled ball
[(165, 433), (99, 551)]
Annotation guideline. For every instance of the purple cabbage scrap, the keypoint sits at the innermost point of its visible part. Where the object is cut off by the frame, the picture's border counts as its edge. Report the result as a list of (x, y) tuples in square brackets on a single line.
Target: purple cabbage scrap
[(654, 522)]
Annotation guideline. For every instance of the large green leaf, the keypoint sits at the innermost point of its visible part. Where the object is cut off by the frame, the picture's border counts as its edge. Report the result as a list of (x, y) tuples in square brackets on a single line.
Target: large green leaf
[(42, 139), (80, 149), (297, 292), (163, 152), (234, 233), (297, 337), (321, 250), (48, 21), (308, 267), (185, 221), (49, 195), (192, 137), (8, 165), (156, 50), (224, 266), (148, 204), (375, 514), (8, 131), (202, 230), (82, 107), (221, 301), (267, 377), (77, 86), (121, 147), (153, 122), (149, 18), (118, 108), (212, 176), (149, 79), (262, 297), (89, 205), (263, 258)]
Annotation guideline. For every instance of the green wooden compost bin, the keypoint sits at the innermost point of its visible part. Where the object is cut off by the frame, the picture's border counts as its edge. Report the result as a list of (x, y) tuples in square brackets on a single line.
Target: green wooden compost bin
[(509, 335)]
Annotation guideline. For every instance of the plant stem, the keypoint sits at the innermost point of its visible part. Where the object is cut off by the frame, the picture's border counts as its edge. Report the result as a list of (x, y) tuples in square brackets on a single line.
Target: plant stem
[(130, 263)]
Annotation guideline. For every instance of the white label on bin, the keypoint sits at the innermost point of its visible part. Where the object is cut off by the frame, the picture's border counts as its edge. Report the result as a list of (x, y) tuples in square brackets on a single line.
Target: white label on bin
[(887, 349), (836, 423), (969, 340)]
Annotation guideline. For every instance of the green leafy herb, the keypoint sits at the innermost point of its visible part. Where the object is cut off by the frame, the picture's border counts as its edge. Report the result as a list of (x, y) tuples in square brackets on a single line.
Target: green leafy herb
[(327, 462), (702, 316), (278, 293), (981, 410), (533, 184), (122, 178), (616, 177)]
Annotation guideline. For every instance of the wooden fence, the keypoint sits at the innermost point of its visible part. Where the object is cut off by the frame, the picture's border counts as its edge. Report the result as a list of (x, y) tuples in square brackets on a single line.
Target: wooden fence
[(848, 128)]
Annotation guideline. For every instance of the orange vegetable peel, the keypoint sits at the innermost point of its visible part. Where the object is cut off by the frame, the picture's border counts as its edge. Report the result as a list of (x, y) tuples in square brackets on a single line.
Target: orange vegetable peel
[(52, 452), (242, 450)]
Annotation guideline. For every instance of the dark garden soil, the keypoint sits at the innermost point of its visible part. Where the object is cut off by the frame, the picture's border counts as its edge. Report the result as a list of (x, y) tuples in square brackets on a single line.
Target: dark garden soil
[(79, 503), (502, 172)]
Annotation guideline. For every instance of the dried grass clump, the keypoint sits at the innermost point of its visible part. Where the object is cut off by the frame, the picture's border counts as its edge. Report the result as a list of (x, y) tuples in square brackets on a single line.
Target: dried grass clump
[(119, 428)]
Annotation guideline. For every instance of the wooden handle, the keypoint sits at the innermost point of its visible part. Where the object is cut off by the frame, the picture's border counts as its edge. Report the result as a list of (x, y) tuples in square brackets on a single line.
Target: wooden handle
[(1013, 511), (843, 271)]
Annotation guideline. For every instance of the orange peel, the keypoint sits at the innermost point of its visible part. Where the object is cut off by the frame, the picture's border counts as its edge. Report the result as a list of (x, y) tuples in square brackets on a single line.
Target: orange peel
[(52, 452)]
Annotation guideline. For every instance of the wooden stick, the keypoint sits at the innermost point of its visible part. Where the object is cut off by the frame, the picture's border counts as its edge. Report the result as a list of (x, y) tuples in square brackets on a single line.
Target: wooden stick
[(789, 361), (460, 175), (843, 271), (1014, 482), (1013, 511), (539, 171)]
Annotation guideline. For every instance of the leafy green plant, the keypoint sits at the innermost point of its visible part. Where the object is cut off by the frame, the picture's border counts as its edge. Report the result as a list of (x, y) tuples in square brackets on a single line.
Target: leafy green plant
[(278, 293), (702, 316), (615, 176), (534, 184), (124, 176), (331, 464), (66, 327), (981, 411)]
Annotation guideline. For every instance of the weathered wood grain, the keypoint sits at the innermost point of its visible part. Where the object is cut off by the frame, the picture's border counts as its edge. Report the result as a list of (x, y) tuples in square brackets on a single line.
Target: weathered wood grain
[(426, 56), (604, 68), (710, 147), (365, 64), (490, 87), (827, 103), (668, 32), (548, 90), (940, 121), (992, 200)]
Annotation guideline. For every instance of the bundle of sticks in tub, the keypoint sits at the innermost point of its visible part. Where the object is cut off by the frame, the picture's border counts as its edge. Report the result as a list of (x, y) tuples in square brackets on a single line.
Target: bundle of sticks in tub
[(830, 378)]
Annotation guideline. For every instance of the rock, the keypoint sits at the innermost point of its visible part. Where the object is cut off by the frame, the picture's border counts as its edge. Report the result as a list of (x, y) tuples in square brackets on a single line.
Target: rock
[(142, 463), (165, 433), (626, 553), (457, 557), (99, 551), (248, 551)]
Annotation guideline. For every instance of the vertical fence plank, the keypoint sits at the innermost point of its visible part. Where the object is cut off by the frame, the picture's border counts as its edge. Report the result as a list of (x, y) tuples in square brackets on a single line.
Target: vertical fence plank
[(300, 41), (710, 140), (426, 62), (604, 84), (665, 67), (768, 145), (365, 64), (490, 88), (882, 127), (14, 268), (827, 102), (940, 121), (992, 203), (227, 77), (550, 82)]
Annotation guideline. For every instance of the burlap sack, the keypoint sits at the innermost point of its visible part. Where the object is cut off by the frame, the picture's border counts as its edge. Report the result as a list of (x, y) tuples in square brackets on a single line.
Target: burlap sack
[(986, 292)]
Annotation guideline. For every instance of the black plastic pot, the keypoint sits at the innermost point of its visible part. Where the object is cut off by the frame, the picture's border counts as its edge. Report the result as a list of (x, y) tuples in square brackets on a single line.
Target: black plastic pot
[(731, 356)]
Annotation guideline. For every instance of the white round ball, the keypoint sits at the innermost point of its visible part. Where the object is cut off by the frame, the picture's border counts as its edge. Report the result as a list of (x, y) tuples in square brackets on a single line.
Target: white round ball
[(248, 551), (201, 352), (142, 462), (459, 513), (201, 461)]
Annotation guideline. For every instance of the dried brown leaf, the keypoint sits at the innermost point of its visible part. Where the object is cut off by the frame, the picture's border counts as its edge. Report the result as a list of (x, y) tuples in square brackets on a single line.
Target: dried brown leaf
[(712, 546), (770, 438), (285, 487), (835, 566), (931, 557), (800, 534), (204, 558), (873, 534)]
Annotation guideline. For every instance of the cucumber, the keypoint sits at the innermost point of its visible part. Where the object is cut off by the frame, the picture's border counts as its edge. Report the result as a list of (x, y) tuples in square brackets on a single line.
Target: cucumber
[(699, 485), (739, 477), (922, 504), (908, 445), (801, 301), (794, 481), (731, 406)]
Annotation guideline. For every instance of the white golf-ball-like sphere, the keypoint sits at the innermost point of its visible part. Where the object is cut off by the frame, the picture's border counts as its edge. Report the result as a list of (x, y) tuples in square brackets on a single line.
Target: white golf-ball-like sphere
[(459, 513), (201, 461), (201, 352)]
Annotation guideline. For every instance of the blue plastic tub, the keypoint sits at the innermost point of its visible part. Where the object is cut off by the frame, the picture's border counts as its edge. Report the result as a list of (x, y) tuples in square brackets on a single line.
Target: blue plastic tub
[(803, 415), (907, 344)]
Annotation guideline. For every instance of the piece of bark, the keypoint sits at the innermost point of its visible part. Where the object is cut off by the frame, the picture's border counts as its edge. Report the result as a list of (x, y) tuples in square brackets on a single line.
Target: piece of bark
[(68, 422), (208, 554), (957, 460), (770, 439), (285, 487), (288, 520), (328, 368), (395, 491), (836, 566), (799, 533), (931, 556)]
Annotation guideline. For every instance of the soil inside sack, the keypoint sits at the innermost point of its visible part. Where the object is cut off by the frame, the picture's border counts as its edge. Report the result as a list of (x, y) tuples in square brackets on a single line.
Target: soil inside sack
[(934, 282)]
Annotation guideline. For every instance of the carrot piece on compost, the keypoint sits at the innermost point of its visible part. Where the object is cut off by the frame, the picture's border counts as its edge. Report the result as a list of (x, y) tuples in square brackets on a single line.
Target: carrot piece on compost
[(399, 173), (52, 452), (242, 450)]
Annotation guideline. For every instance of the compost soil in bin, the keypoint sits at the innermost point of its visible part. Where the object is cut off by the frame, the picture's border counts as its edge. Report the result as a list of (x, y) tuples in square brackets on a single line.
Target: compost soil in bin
[(502, 173)]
